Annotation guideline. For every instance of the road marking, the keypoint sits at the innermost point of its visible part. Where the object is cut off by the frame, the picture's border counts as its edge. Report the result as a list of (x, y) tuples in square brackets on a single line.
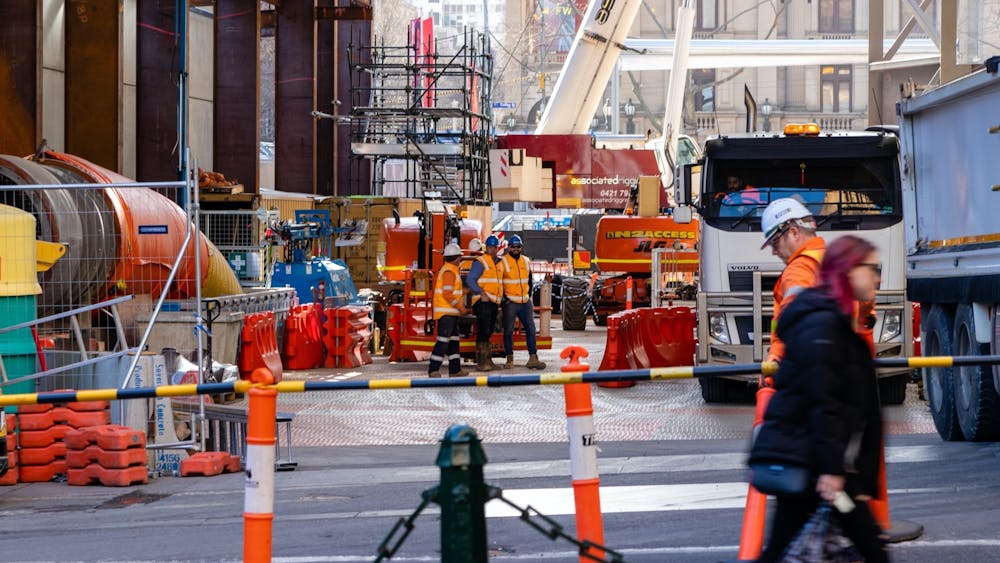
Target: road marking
[(629, 498)]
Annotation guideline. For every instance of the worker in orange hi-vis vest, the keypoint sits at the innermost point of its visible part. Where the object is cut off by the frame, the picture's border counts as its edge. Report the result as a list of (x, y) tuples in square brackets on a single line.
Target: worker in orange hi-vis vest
[(487, 290), (790, 231), (448, 307), (516, 275)]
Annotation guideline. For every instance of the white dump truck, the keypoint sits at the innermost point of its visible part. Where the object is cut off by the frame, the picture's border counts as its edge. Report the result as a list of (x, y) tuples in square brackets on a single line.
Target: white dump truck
[(849, 180), (951, 203)]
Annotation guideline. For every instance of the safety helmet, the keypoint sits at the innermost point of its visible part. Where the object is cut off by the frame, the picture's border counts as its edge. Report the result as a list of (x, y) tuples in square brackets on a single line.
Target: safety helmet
[(778, 213), (452, 250), (492, 241), (515, 240), (475, 245)]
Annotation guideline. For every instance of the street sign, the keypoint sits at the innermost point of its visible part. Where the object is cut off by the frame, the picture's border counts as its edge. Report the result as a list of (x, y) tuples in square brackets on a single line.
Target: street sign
[(504, 105)]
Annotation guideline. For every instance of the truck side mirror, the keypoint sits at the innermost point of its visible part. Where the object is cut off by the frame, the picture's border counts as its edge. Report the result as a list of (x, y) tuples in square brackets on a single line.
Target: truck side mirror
[(682, 184)]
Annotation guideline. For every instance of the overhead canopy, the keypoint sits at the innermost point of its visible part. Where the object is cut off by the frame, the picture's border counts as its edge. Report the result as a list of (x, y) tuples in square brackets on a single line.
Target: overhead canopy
[(655, 54)]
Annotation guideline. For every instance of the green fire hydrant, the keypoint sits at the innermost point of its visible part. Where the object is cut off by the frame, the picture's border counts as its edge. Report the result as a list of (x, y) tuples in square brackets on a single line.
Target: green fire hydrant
[(462, 496)]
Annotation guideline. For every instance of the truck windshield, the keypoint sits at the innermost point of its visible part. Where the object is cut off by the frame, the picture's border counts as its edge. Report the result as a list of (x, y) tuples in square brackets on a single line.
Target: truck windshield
[(842, 193)]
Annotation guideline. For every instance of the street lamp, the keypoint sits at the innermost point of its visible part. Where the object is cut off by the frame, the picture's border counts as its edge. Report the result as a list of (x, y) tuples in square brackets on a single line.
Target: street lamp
[(629, 114), (765, 110), (607, 113), (511, 122)]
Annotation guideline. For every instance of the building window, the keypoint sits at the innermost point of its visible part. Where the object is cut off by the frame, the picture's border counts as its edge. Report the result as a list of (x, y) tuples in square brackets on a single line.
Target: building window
[(835, 84), (836, 16), (705, 18), (704, 89)]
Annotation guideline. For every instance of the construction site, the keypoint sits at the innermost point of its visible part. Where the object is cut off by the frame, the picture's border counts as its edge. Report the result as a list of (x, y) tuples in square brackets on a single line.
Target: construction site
[(210, 206)]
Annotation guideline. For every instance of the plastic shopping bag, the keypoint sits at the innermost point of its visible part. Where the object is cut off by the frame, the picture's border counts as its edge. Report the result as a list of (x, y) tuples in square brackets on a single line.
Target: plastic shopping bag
[(821, 541)]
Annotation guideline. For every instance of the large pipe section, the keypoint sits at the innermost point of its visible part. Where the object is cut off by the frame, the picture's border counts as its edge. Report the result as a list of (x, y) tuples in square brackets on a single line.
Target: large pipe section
[(119, 240)]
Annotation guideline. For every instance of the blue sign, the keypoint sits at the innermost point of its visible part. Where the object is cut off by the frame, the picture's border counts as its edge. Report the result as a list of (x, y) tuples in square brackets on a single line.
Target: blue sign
[(152, 229), (504, 105)]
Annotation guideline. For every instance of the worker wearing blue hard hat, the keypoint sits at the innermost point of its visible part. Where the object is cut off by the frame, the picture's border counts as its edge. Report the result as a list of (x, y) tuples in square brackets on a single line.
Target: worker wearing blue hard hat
[(516, 276), (484, 283)]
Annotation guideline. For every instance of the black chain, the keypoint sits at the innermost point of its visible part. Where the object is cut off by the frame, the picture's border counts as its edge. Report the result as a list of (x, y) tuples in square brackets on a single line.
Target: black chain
[(553, 530), (384, 552)]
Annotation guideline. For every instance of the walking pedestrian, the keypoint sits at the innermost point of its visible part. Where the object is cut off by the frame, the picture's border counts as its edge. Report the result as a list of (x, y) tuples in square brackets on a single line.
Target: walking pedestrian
[(825, 413), (516, 276), (484, 283), (448, 307)]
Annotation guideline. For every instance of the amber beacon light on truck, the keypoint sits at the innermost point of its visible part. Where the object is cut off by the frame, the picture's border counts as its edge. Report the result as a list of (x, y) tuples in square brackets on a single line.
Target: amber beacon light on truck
[(802, 130)]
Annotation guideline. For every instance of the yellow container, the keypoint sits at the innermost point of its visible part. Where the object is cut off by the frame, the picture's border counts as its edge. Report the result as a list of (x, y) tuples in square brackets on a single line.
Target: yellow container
[(18, 262)]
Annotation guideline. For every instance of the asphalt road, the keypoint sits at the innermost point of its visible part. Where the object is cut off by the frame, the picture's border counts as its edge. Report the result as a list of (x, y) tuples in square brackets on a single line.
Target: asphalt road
[(672, 482)]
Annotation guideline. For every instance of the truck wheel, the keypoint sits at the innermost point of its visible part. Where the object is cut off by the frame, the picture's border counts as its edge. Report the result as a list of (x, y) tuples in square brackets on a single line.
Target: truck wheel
[(713, 389), (977, 406), (574, 303), (892, 390), (600, 320), (936, 341)]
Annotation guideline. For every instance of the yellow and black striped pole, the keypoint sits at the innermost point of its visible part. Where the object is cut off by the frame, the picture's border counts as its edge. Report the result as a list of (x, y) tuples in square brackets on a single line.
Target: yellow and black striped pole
[(556, 378)]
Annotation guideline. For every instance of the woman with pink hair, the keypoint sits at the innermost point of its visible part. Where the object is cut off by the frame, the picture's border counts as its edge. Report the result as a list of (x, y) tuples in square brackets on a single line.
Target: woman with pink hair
[(825, 412)]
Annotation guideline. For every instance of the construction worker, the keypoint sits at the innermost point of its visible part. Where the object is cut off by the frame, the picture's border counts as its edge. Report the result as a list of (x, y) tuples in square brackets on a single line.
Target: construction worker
[(484, 283), (790, 231), (448, 307), (516, 275)]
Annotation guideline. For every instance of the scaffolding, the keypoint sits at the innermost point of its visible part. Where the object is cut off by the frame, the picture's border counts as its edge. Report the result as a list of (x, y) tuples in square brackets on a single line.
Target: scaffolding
[(423, 120)]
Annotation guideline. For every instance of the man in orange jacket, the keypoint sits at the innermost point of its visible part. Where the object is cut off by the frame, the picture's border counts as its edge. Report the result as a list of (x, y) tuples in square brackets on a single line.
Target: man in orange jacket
[(790, 231)]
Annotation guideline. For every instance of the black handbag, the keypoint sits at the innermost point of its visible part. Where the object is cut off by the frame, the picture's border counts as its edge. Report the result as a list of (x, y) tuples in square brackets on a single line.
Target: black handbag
[(779, 478)]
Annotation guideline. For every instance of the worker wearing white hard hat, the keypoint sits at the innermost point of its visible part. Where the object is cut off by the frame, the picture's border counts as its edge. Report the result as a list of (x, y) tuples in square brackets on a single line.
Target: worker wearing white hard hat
[(790, 230), (448, 307), (484, 283)]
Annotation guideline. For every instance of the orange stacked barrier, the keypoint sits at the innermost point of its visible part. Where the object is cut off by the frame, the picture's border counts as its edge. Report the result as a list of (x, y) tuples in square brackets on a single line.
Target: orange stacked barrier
[(109, 454), (303, 341), (258, 335), (43, 429), (207, 464), (10, 478), (346, 335)]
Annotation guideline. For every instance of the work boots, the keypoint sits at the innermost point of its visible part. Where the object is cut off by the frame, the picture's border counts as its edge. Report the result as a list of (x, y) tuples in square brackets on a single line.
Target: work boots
[(459, 373), (534, 362), (510, 362), (483, 362), (488, 354)]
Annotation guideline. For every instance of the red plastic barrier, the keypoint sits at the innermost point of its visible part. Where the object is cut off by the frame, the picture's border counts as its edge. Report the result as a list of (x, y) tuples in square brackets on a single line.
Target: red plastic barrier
[(94, 474), (649, 338), (347, 333), (63, 415), (207, 464), (259, 346), (668, 336), (107, 436), (42, 473), (303, 341), (43, 438), (111, 459), (43, 456)]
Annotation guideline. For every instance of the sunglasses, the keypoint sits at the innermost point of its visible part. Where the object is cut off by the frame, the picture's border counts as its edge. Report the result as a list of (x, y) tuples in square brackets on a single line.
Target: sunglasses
[(516, 246), (877, 268)]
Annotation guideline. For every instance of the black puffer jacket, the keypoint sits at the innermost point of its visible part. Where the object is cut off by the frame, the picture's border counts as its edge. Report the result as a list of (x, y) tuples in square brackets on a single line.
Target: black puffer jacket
[(825, 411)]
